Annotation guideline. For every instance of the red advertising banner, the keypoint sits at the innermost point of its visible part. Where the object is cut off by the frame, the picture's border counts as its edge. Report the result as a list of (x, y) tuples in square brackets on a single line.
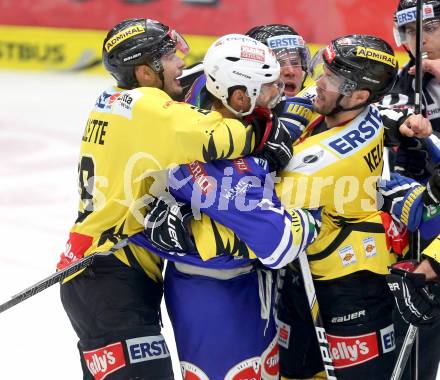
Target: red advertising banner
[(317, 20)]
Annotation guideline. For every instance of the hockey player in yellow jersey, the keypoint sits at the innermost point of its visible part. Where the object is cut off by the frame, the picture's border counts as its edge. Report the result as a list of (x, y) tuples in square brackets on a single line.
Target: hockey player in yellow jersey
[(135, 132), (336, 166)]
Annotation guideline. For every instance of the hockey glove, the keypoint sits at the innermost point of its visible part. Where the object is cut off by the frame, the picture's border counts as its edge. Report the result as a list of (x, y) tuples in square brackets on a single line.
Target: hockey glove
[(166, 226), (403, 200), (273, 140), (296, 115), (412, 159), (431, 196), (414, 300)]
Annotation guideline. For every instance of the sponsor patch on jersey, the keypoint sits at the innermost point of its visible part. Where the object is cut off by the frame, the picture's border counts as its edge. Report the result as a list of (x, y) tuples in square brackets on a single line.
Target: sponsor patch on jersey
[(388, 339), (283, 334), (271, 361), (252, 53), (192, 372), (405, 16), (357, 134), (241, 165), (285, 41), (147, 348), (200, 176), (104, 361), (376, 55), (124, 104), (369, 244), (311, 160), (123, 35), (247, 369), (347, 255), (348, 351)]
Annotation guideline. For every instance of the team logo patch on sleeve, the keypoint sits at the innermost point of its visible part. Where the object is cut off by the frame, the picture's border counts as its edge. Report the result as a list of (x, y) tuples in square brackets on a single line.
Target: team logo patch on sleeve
[(147, 348), (104, 361), (369, 244)]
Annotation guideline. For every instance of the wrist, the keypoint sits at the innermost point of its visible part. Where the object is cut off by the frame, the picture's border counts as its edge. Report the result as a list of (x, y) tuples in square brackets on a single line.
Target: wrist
[(426, 268)]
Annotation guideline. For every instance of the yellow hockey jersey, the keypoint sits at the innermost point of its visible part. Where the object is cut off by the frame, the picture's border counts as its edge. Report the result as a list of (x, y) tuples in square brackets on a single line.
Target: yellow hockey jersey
[(130, 140), (338, 170)]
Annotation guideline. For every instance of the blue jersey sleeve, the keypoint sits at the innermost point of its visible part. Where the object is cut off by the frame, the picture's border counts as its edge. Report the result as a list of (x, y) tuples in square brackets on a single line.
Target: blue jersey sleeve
[(239, 194)]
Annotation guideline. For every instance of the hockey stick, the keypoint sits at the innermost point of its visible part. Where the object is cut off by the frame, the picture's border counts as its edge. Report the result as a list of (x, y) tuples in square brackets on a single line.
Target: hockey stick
[(317, 320), (417, 110), (58, 276)]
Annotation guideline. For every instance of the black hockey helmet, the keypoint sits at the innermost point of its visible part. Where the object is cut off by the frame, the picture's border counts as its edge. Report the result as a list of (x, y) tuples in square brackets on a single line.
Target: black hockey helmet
[(282, 39), (406, 14), (361, 62), (136, 42)]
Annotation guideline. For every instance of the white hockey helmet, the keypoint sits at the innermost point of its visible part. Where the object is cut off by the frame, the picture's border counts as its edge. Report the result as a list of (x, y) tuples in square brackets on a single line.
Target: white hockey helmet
[(238, 60)]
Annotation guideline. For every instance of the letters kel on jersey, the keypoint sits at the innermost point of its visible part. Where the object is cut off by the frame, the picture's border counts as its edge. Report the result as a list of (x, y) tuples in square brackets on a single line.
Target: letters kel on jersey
[(347, 351), (104, 361), (147, 348), (363, 128)]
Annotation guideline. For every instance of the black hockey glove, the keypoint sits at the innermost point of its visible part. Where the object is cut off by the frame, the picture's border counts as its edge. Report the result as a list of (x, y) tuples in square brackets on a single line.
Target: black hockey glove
[(415, 302), (412, 159), (431, 197), (166, 226), (273, 140)]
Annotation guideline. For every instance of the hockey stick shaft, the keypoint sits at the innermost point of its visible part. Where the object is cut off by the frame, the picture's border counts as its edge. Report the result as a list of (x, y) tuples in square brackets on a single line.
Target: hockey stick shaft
[(404, 352), (317, 320), (58, 277)]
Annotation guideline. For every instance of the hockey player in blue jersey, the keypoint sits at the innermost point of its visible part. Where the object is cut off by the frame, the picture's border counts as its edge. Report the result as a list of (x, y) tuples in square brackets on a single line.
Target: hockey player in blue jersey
[(221, 306)]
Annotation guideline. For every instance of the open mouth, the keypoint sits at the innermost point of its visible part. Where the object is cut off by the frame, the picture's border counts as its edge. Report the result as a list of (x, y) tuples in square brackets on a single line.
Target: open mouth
[(290, 89)]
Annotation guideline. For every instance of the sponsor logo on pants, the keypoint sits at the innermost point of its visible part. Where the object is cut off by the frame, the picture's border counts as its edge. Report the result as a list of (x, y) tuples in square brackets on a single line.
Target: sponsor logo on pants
[(103, 361), (347, 351), (192, 372), (147, 348)]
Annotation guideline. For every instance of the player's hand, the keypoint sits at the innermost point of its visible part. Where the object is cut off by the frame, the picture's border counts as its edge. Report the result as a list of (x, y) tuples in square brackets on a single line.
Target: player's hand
[(431, 196), (296, 115), (274, 142), (166, 226), (402, 198), (431, 66), (412, 159), (416, 126), (414, 300)]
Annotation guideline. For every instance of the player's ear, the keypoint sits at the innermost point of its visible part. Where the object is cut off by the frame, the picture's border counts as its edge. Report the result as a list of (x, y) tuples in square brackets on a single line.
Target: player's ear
[(239, 100), (360, 97)]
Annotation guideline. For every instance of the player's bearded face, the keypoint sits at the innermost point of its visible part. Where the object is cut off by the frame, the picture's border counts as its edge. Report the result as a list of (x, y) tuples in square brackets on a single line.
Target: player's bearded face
[(172, 69), (325, 100)]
